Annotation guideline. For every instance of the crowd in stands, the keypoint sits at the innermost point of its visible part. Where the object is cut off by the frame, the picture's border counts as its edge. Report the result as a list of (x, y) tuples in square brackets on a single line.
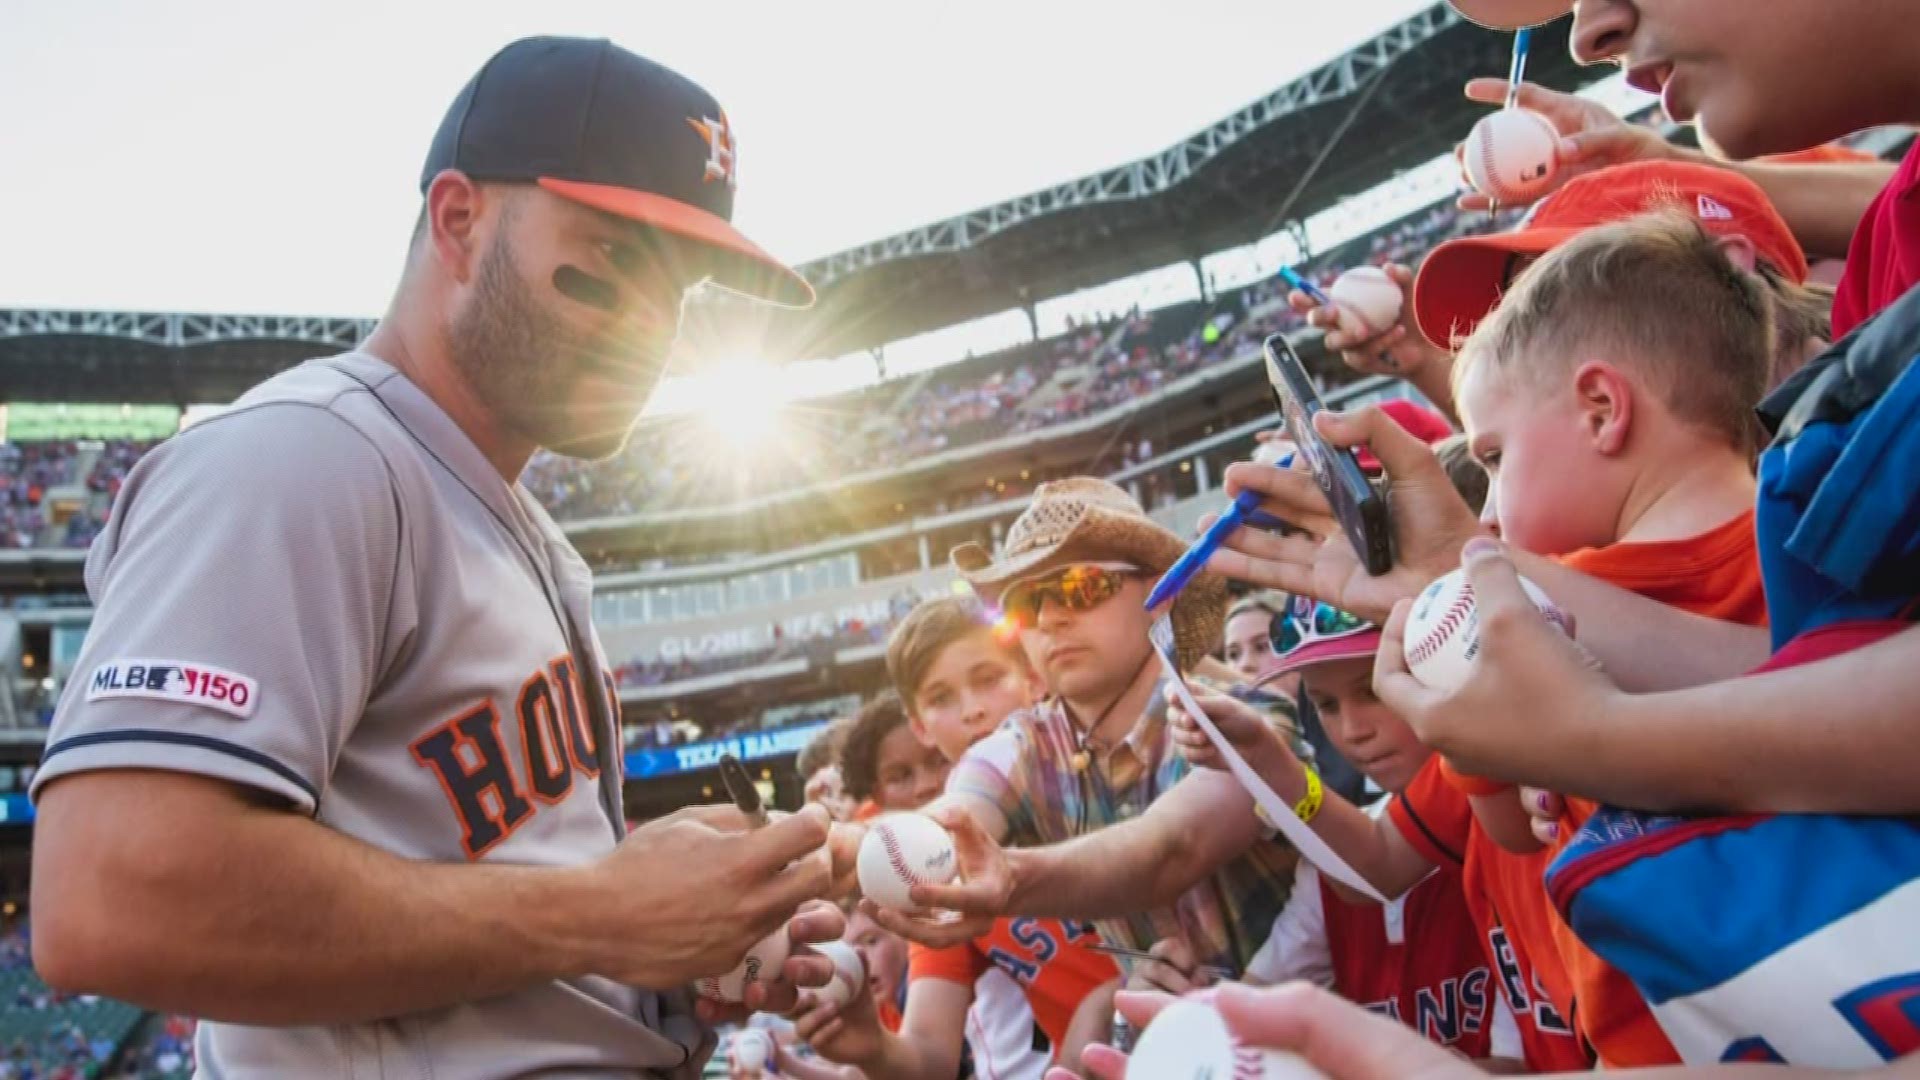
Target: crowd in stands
[(27, 471), (46, 1034), (31, 471), (816, 647), (1090, 368)]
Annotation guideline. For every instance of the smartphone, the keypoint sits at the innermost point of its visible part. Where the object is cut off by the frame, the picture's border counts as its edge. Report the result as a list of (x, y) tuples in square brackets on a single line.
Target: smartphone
[(1361, 510)]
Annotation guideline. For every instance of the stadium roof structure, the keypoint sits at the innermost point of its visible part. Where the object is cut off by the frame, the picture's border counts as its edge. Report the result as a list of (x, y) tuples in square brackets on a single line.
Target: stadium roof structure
[(1388, 103), (1382, 106)]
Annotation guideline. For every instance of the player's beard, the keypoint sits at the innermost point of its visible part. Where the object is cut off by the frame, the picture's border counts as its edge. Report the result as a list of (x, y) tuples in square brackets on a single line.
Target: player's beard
[(527, 363)]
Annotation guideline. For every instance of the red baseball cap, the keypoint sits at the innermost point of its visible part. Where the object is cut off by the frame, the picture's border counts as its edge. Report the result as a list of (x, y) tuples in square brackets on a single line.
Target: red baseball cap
[(1824, 154), (1511, 14), (1421, 422), (1461, 280)]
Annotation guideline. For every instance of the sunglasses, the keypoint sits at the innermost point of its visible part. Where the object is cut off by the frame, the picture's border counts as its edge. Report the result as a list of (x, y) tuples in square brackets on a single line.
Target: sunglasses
[(1076, 588), (1303, 625)]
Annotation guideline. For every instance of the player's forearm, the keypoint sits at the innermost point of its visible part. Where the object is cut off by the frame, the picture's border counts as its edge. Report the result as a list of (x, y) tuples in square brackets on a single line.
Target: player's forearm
[(1642, 644), (1833, 736), (278, 920), (1822, 204)]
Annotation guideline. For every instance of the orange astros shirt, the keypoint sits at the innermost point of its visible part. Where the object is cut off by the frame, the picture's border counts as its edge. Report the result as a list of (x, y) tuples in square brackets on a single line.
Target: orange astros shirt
[(1508, 902), (1050, 959), (1716, 574)]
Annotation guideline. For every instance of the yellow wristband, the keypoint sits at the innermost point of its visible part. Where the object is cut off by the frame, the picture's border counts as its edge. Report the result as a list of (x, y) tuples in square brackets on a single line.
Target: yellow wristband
[(1308, 807)]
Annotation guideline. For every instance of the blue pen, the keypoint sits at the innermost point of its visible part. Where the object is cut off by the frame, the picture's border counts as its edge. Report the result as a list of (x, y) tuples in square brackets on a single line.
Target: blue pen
[(1517, 71), (1305, 286), (1195, 557)]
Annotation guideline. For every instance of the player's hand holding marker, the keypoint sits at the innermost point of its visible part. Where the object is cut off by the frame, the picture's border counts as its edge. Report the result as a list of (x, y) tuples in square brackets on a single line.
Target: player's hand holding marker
[(1522, 657), (1430, 523), (688, 895)]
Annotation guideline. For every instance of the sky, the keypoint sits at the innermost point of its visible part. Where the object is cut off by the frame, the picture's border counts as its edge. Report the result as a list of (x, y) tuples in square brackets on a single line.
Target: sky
[(215, 155)]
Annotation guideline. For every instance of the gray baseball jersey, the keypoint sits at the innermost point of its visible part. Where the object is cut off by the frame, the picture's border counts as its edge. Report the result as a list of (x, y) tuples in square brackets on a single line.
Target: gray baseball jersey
[(327, 593)]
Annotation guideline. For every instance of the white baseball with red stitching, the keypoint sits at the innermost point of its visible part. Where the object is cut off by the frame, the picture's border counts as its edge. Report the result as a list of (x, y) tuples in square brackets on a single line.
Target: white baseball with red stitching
[(1511, 156), (1189, 1040), (901, 851), (1369, 297), (849, 972), (761, 964), (1442, 636)]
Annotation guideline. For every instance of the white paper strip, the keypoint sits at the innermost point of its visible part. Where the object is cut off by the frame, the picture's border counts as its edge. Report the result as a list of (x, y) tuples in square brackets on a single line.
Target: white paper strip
[(1303, 838)]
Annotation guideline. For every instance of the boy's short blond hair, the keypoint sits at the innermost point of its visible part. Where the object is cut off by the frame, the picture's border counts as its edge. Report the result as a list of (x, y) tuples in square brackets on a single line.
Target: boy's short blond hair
[(926, 632), (1661, 296)]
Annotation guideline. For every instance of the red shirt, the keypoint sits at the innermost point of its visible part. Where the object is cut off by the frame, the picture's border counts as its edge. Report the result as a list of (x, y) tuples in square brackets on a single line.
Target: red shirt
[(1050, 960), (1884, 259), (1716, 574), (1432, 975), (1508, 907)]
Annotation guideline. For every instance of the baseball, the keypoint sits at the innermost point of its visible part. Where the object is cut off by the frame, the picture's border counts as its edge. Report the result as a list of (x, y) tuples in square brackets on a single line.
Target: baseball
[(1443, 630), (1369, 298), (901, 851), (752, 1049), (849, 973), (1511, 156), (762, 964), (1189, 1039)]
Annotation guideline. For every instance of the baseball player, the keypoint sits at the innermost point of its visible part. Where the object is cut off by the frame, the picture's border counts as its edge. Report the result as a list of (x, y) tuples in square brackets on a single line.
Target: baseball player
[(339, 770)]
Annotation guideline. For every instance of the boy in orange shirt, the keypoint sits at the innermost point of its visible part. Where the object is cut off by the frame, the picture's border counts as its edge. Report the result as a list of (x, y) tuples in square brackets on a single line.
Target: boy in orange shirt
[(1610, 399), (958, 678)]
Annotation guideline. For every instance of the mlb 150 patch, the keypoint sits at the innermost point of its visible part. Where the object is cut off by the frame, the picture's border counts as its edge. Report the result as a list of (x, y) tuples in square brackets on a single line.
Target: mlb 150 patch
[(175, 680)]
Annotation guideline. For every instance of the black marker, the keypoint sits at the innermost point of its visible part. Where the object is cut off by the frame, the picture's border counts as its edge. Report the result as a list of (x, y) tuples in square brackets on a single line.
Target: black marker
[(741, 790)]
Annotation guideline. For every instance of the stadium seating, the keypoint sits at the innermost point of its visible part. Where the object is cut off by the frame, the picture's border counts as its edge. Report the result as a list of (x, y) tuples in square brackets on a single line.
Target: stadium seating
[(1079, 373), (47, 1035)]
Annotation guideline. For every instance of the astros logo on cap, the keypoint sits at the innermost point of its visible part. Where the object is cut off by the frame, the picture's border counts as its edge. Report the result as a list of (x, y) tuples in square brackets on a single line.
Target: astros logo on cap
[(720, 153)]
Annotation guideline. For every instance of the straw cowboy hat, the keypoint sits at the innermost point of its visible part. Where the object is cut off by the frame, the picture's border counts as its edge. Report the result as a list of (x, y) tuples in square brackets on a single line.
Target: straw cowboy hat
[(1088, 520)]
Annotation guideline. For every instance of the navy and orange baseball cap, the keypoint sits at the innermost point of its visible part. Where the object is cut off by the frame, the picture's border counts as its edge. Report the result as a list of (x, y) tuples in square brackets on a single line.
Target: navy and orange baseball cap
[(594, 123), (1511, 14), (1461, 281)]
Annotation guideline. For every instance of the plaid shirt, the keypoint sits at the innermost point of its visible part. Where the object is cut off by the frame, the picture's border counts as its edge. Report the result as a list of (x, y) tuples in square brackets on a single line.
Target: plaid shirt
[(1028, 769)]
